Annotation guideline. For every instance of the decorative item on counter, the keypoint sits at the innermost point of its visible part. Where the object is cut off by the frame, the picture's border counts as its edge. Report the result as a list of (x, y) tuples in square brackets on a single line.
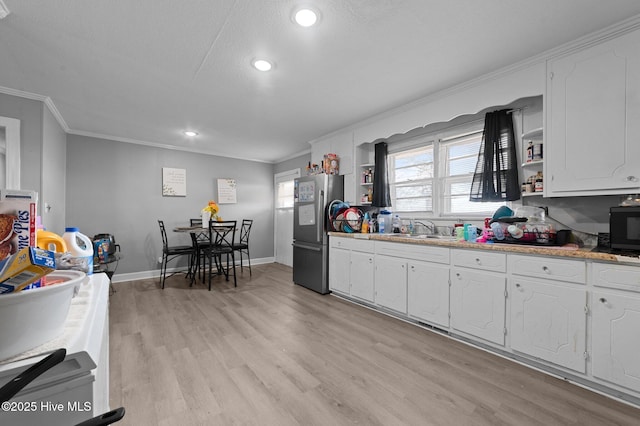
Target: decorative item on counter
[(210, 212)]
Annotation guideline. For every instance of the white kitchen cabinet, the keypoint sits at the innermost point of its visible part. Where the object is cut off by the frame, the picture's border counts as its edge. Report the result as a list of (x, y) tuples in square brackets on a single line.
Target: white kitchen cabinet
[(362, 275), (478, 303), (549, 321), (351, 267), (428, 292), (615, 307), (574, 271), (615, 337), (391, 283), (339, 269), (593, 97)]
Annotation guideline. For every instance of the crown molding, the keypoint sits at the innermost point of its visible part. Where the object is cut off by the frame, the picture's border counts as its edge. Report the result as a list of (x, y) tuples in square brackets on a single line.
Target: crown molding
[(44, 99), (4, 10)]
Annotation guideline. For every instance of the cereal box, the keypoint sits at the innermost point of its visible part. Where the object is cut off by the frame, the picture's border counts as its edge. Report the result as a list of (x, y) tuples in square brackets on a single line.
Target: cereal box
[(17, 221)]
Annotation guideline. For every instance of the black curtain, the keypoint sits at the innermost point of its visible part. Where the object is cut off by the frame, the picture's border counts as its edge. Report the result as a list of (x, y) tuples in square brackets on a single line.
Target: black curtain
[(496, 175), (381, 196)]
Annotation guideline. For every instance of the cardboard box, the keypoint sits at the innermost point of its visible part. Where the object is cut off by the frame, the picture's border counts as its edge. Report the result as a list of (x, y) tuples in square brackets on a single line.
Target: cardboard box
[(17, 221), (25, 267)]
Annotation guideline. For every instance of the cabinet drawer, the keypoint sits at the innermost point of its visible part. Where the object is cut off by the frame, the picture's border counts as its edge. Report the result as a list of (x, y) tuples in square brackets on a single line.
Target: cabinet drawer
[(610, 275), (574, 271), (351, 244), (424, 252), (480, 260)]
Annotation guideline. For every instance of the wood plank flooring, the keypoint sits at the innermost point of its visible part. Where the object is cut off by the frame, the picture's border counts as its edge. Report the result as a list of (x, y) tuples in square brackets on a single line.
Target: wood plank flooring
[(272, 353)]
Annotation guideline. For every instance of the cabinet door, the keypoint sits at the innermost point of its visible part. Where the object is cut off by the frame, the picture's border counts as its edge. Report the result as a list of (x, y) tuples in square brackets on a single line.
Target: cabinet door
[(548, 321), (391, 283), (339, 267), (478, 303), (428, 292), (592, 137), (362, 275), (616, 346)]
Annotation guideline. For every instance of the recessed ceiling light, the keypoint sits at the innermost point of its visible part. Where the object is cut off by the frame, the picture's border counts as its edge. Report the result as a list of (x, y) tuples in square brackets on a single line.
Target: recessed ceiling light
[(190, 133), (306, 17), (262, 65)]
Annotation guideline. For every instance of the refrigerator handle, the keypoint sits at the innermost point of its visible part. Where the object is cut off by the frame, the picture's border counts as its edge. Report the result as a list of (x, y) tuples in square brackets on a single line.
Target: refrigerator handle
[(320, 214)]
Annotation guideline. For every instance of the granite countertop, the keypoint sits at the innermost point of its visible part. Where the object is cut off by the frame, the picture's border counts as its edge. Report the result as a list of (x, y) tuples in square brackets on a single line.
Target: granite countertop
[(557, 251)]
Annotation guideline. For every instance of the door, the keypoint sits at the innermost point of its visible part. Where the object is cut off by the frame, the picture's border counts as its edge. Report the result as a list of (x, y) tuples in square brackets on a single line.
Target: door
[(616, 316), (478, 303), (592, 134), (548, 321), (428, 292), (391, 283), (283, 228)]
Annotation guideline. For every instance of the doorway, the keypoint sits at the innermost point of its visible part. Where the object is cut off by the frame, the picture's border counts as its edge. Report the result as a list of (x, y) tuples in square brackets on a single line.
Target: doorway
[(9, 153), (283, 227)]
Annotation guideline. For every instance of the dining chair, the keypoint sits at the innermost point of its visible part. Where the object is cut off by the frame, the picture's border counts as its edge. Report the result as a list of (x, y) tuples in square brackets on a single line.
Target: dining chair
[(221, 237), (173, 252), (242, 246)]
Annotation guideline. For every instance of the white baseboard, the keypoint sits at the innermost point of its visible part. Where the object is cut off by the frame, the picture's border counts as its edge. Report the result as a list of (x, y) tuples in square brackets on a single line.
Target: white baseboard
[(143, 275)]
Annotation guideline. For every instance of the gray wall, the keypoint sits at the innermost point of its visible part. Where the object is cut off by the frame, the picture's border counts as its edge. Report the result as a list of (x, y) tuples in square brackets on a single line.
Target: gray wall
[(54, 166), (116, 188), (300, 162)]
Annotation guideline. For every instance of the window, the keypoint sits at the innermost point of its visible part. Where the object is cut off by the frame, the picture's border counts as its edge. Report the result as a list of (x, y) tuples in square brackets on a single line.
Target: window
[(422, 186), (284, 197)]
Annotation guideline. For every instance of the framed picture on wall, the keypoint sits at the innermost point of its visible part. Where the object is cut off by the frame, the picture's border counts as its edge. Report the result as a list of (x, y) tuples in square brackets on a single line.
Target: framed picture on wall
[(174, 182), (227, 191)]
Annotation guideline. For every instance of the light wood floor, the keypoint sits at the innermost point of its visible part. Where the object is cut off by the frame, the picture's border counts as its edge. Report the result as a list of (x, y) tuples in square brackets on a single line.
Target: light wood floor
[(272, 353)]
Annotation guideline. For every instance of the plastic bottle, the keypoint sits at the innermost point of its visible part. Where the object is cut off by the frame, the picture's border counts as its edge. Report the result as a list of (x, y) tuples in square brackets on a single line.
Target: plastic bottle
[(51, 241), (396, 224), (384, 222), (365, 224), (81, 249), (381, 222)]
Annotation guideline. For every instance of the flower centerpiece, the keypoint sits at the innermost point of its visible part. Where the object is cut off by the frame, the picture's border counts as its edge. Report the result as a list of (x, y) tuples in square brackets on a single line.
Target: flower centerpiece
[(209, 212)]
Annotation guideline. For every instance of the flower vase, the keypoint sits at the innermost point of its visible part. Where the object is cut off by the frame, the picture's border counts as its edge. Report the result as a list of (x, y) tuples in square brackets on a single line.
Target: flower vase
[(206, 217)]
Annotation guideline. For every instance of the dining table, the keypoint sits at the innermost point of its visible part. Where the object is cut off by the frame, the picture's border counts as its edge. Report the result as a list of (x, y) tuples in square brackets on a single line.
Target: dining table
[(213, 246)]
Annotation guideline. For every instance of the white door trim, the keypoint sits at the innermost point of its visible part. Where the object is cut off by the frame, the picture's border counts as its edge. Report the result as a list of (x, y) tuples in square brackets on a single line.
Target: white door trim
[(286, 175)]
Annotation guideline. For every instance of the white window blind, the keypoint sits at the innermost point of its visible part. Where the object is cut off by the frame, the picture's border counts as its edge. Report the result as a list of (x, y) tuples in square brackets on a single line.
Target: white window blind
[(421, 185)]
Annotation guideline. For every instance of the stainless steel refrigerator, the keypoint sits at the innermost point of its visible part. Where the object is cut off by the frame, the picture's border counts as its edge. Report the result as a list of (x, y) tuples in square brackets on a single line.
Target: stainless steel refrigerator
[(312, 194)]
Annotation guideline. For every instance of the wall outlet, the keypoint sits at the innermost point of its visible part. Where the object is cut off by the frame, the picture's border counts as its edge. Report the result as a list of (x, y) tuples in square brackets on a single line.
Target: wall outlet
[(159, 259)]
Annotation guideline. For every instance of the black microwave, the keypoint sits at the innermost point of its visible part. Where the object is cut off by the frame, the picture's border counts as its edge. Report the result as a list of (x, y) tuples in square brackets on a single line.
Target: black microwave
[(624, 227)]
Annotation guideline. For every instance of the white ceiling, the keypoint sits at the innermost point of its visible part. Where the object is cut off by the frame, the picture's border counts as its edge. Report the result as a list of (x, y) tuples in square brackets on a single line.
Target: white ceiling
[(146, 70)]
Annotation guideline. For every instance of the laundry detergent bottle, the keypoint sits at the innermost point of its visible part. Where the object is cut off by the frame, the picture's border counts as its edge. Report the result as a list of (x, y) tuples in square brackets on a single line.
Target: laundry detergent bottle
[(81, 249)]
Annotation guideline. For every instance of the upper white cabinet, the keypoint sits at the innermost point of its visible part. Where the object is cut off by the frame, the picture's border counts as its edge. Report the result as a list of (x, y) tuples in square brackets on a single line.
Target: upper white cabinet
[(592, 110)]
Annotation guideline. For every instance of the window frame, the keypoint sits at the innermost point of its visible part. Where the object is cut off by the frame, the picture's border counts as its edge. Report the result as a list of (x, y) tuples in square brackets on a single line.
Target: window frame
[(438, 140)]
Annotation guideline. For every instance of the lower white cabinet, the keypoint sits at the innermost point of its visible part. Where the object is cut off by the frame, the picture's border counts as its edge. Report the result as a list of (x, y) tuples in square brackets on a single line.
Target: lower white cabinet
[(339, 270), (351, 267), (478, 303), (428, 292), (362, 275), (616, 338), (549, 321), (391, 283)]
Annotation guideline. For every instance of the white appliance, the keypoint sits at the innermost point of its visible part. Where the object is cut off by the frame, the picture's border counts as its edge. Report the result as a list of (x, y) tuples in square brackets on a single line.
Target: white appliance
[(77, 389)]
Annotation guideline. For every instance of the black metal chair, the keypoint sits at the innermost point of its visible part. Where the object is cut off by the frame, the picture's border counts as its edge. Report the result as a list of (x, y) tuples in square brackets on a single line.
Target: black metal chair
[(173, 252), (221, 237), (242, 247)]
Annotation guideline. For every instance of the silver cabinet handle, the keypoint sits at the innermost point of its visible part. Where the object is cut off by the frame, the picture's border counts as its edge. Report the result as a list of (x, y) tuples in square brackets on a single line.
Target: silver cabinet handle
[(545, 269), (631, 179), (517, 285), (603, 300), (478, 260)]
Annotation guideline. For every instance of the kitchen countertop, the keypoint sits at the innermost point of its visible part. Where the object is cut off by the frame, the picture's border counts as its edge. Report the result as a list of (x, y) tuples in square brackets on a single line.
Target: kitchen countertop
[(557, 251)]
